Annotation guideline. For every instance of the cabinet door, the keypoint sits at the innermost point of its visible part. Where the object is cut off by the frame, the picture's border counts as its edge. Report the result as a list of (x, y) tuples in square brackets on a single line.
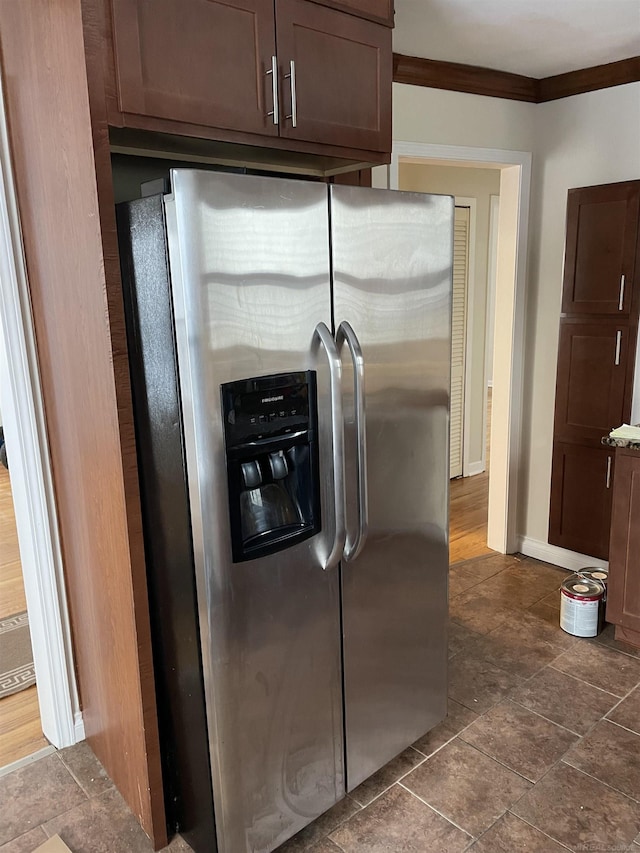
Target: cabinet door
[(623, 604), (592, 375), (602, 228), (341, 91), (580, 515), (374, 10), (202, 61)]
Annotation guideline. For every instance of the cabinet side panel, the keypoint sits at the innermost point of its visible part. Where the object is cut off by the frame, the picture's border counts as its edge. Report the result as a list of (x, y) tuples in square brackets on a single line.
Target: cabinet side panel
[(623, 605), (79, 327)]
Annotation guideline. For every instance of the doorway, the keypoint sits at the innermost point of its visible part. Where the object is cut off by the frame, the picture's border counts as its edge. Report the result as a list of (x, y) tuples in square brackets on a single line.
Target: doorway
[(514, 169), (20, 727)]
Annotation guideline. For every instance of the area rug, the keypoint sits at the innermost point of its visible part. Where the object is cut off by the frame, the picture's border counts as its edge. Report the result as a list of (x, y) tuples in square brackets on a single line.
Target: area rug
[(16, 657)]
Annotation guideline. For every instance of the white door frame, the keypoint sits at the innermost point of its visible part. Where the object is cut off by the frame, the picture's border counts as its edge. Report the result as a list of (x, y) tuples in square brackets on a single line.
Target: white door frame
[(508, 373), (31, 480)]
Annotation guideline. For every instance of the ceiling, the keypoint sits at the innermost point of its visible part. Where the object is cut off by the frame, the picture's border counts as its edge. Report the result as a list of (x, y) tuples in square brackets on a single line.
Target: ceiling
[(537, 38)]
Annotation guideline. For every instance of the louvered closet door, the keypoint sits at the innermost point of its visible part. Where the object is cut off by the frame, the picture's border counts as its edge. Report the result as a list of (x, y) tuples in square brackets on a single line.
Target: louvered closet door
[(458, 336)]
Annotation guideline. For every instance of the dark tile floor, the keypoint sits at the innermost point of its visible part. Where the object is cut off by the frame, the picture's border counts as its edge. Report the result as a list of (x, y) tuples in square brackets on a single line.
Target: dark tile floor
[(540, 751)]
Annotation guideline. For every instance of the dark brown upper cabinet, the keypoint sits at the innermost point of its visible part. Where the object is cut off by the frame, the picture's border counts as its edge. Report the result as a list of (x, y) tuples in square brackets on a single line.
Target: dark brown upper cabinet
[(600, 256), (196, 61), (285, 70), (336, 71), (592, 391), (374, 10)]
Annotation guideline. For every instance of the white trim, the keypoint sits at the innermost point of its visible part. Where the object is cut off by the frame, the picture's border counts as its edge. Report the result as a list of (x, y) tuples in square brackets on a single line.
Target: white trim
[(492, 257), (472, 204), (28, 759), (502, 524), (31, 481), (78, 727), (570, 560), (517, 361), (476, 468)]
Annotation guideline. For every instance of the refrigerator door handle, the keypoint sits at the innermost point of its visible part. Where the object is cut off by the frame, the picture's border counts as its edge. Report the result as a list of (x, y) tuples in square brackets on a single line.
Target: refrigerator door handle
[(337, 431), (345, 334)]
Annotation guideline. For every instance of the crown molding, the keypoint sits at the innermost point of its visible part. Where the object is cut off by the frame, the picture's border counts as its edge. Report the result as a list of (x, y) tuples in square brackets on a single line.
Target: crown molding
[(589, 79), (475, 80), (463, 78)]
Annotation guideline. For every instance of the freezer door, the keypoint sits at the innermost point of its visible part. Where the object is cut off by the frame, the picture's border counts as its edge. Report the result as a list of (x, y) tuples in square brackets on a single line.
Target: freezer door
[(249, 261), (392, 259)]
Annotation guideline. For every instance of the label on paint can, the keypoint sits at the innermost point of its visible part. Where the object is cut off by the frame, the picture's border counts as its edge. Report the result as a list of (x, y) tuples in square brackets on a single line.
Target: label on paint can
[(580, 601)]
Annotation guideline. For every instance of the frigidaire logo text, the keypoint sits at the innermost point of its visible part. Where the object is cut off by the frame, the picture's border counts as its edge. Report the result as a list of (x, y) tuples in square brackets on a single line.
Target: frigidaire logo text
[(272, 399)]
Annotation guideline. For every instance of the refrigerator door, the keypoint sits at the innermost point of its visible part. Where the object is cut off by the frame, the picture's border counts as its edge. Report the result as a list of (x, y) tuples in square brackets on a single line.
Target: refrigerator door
[(249, 262), (392, 259)]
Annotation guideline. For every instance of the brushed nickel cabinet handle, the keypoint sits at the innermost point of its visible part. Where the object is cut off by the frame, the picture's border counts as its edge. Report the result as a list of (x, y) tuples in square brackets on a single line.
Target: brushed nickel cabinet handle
[(608, 472), (274, 88), (291, 77), (621, 300), (618, 345)]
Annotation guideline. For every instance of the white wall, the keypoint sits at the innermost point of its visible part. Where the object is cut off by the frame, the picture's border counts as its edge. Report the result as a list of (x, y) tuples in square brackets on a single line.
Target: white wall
[(480, 184), (579, 141), (455, 118)]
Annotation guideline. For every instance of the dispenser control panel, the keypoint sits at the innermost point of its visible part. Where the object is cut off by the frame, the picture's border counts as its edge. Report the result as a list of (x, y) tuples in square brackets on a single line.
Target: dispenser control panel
[(267, 406), (272, 462)]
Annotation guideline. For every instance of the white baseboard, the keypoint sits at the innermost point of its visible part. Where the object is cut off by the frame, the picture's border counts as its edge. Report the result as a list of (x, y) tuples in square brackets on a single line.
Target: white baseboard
[(78, 727), (474, 468), (570, 560)]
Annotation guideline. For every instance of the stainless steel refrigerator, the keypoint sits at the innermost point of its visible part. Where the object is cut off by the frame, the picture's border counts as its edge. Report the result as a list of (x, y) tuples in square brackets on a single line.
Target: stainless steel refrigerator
[(290, 357)]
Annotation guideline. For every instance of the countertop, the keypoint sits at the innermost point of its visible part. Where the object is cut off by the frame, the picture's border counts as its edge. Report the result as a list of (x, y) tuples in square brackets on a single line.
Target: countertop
[(628, 443)]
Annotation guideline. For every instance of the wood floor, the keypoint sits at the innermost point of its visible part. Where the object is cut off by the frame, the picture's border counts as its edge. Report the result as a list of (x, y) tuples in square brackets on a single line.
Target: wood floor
[(20, 729), (468, 511)]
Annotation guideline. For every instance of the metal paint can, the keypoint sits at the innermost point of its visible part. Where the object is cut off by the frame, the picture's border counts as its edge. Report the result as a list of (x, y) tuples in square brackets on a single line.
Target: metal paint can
[(581, 606), (596, 574)]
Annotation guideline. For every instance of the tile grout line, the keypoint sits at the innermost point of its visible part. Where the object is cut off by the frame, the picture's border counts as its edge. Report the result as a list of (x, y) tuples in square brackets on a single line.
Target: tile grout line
[(77, 806), (604, 717), (600, 781), (561, 760), (613, 648), (75, 778), (581, 680), (619, 725), (472, 837), (396, 781), (415, 767), (537, 828), (506, 766), (617, 696), (547, 719)]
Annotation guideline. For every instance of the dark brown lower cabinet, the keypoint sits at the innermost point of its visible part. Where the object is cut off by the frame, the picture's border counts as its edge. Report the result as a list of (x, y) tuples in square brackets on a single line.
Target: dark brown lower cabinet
[(581, 496), (623, 598)]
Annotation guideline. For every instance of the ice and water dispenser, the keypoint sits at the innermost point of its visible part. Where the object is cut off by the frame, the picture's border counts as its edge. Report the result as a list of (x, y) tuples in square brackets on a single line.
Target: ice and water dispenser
[(270, 428)]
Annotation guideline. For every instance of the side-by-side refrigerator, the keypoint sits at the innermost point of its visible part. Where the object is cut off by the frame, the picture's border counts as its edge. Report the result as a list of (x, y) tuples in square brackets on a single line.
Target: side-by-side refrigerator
[(290, 357)]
